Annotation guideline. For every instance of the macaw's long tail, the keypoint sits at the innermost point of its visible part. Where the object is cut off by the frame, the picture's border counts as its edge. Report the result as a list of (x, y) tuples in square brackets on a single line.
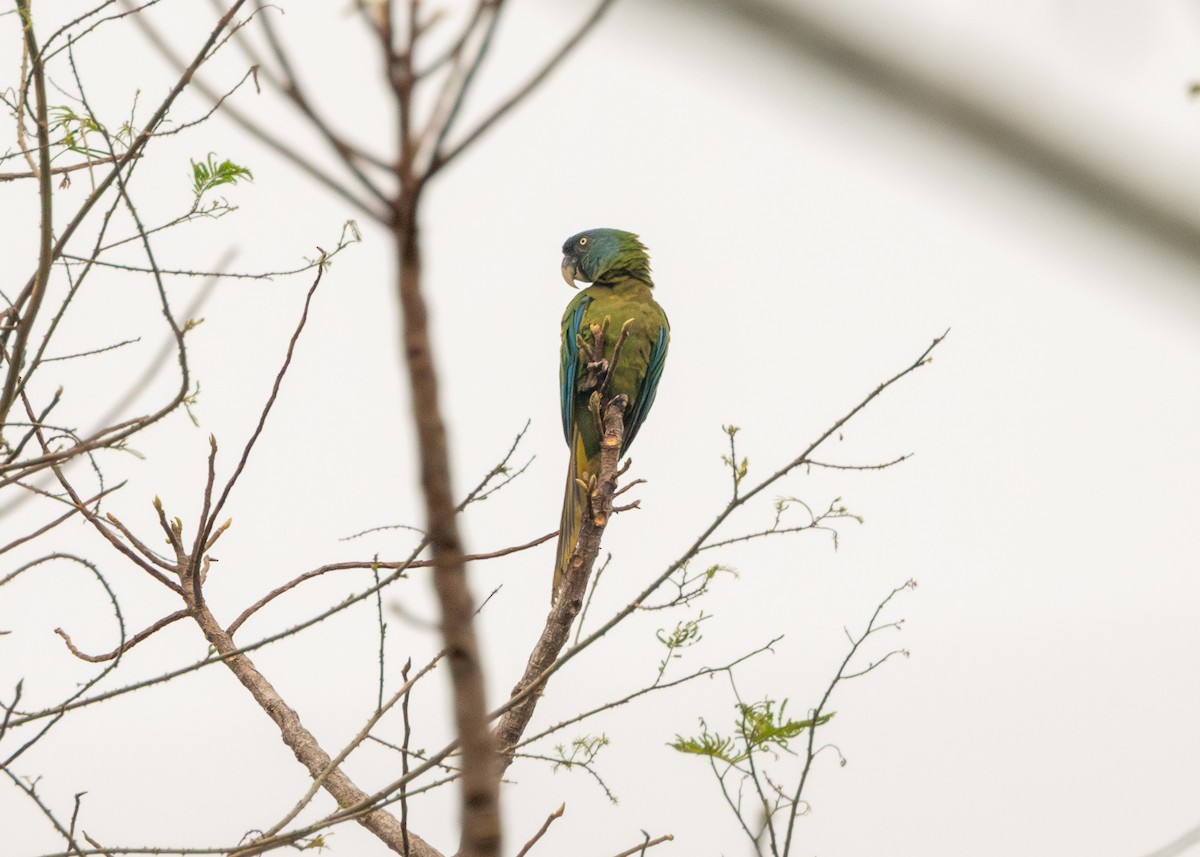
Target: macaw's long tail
[(574, 505)]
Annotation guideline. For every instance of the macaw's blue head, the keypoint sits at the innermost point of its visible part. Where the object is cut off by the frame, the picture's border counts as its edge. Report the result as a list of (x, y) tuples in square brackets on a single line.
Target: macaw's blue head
[(601, 255)]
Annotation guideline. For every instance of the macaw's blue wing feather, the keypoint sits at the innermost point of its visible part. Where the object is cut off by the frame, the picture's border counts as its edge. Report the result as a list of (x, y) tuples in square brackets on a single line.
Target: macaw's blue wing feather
[(640, 407), (569, 367)]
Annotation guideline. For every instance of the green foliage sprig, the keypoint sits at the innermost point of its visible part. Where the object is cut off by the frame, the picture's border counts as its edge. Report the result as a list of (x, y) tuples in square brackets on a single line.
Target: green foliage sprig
[(210, 173), (759, 728), (686, 633)]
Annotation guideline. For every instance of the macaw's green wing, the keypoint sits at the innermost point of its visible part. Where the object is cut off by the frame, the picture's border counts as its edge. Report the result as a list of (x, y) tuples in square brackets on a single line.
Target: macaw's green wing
[(640, 407), (575, 501), (569, 367)]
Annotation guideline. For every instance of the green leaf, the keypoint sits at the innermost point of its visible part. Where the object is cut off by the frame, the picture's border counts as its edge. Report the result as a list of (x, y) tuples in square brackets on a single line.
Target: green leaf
[(708, 744), (212, 173), (763, 728), (686, 633), (760, 728)]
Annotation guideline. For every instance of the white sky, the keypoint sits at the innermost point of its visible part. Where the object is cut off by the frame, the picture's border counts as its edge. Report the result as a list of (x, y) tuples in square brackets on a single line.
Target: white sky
[(808, 239)]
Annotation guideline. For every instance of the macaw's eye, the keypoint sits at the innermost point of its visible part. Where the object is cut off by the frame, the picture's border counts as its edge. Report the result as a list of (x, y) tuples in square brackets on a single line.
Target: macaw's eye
[(583, 241)]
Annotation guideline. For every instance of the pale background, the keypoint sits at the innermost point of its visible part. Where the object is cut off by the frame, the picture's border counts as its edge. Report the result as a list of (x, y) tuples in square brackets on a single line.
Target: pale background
[(817, 210)]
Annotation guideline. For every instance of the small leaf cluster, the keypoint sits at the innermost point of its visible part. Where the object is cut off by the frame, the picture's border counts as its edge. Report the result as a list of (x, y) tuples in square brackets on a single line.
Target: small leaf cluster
[(739, 469), (210, 173), (759, 728), (686, 633), (582, 752), (75, 129), (690, 585)]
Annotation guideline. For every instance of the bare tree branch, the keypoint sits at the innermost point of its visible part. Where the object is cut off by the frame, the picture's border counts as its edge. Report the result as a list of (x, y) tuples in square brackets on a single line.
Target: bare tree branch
[(817, 712), (372, 564), (127, 645), (648, 843), (58, 171), (16, 360), (550, 819), (441, 159), (480, 781)]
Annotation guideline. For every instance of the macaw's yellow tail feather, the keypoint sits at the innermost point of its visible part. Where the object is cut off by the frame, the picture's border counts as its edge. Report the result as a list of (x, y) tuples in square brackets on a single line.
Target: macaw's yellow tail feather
[(575, 501)]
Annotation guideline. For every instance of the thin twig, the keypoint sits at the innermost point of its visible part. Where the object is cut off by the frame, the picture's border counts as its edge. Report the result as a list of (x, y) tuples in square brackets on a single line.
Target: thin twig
[(616, 703), (209, 521), (649, 843), (336, 761), (458, 83), (404, 752), (30, 791), (517, 97), (400, 566), (291, 88), (47, 527), (883, 466), (85, 165), (550, 819), (13, 381), (816, 713), (127, 645)]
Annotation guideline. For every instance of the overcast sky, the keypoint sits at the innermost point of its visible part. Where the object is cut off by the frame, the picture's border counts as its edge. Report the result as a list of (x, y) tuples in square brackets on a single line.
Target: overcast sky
[(810, 235)]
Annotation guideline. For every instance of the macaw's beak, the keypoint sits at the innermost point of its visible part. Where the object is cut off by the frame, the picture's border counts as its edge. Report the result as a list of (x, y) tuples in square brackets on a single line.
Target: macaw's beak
[(570, 271)]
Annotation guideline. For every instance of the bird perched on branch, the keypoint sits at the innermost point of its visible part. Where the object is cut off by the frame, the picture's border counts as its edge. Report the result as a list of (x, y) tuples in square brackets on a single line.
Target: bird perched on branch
[(618, 303)]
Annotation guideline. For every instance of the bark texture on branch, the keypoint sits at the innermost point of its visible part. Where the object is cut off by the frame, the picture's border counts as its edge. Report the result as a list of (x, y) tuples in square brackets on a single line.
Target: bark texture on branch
[(569, 602), (480, 776), (301, 742)]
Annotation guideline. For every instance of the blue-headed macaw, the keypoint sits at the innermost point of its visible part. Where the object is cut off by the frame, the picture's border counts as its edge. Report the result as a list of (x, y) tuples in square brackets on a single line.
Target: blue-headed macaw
[(618, 268)]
